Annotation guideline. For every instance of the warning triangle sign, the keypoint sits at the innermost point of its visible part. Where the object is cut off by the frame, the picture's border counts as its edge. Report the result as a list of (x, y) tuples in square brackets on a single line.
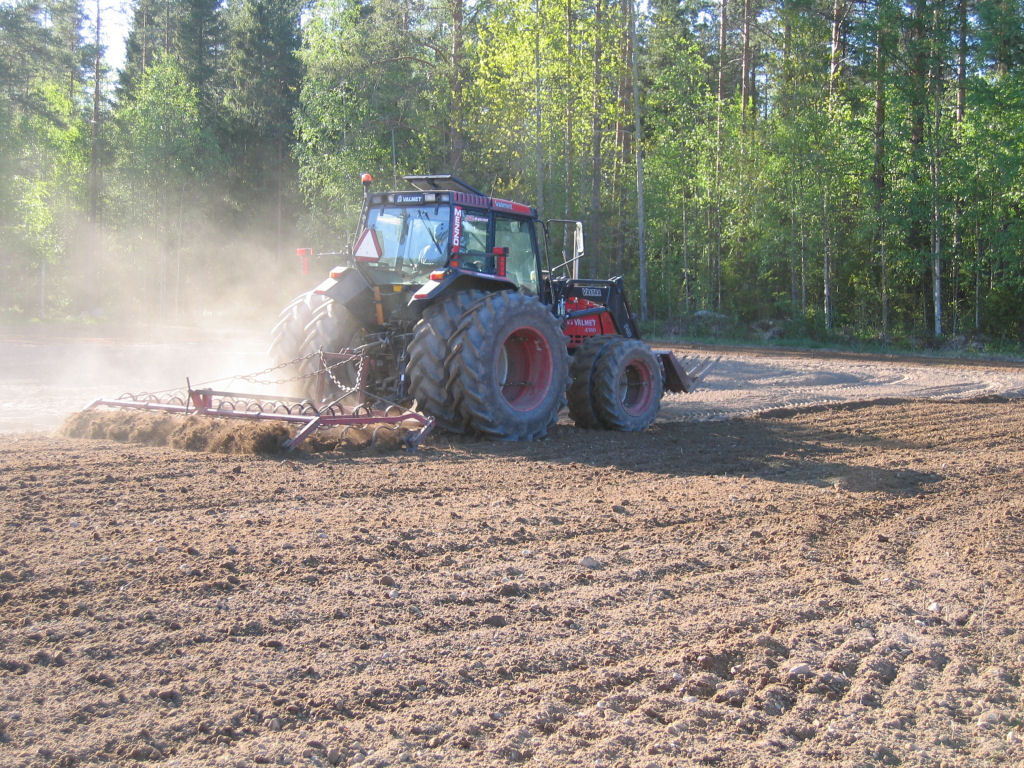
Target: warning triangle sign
[(368, 247)]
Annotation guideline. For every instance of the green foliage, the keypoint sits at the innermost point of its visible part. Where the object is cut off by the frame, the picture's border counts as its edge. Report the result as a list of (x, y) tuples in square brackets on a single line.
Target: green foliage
[(163, 158), (159, 141), (821, 194), (44, 163)]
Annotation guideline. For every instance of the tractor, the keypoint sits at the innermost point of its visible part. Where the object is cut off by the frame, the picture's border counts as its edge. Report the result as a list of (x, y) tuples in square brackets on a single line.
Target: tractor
[(448, 299)]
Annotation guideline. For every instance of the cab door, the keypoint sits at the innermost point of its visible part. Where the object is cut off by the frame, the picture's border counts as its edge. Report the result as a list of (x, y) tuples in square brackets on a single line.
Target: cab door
[(522, 266)]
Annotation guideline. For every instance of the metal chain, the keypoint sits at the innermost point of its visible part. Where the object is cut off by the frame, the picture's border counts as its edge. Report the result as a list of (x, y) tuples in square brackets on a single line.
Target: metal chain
[(344, 391), (256, 377), (329, 370), (259, 377)]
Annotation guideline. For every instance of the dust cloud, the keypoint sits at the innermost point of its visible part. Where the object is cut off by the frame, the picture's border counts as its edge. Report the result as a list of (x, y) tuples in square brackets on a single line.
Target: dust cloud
[(48, 373), (137, 317)]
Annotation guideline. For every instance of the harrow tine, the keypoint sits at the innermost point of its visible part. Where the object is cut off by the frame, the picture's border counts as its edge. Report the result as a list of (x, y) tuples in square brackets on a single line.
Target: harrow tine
[(674, 370), (701, 367), (378, 433), (413, 439)]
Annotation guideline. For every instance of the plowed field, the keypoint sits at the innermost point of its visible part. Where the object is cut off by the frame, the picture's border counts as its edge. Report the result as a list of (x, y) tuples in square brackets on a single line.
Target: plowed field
[(827, 585)]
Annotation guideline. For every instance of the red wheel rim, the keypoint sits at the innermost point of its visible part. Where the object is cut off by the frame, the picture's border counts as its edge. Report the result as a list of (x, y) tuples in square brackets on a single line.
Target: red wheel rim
[(635, 388), (523, 369)]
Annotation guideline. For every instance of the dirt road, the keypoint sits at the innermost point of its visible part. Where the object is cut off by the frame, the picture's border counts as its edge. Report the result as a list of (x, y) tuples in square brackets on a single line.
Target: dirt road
[(832, 586)]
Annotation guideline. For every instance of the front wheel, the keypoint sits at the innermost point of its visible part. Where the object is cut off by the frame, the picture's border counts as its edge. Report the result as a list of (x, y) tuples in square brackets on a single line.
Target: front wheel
[(508, 367), (627, 386), (581, 384)]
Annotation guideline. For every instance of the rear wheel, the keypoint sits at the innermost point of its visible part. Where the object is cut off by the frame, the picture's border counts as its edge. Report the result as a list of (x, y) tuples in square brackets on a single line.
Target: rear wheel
[(508, 367), (426, 371), (581, 386), (289, 333), (627, 386), (332, 329)]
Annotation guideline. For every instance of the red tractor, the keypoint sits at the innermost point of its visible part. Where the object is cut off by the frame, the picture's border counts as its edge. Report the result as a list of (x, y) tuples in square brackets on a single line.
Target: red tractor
[(450, 300)]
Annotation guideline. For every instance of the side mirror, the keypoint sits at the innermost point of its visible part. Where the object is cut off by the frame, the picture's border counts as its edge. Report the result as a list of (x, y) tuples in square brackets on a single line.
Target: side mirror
[(577, 249)]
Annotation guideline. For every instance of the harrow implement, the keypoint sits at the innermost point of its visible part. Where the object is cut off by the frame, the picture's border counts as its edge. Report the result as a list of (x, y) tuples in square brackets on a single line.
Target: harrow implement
[(297, 411), (675, 375)]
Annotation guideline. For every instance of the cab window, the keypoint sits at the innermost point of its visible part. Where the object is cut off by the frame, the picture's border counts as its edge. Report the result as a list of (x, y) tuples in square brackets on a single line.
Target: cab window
[(521, 264), (474, 231), (413, 241)]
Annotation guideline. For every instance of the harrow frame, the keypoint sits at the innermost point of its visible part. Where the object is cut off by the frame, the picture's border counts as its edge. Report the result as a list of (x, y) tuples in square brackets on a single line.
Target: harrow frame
[(281, 408)]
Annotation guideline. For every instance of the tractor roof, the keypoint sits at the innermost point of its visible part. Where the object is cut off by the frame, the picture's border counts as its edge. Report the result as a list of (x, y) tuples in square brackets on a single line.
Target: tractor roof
[(442, 181), (460, 193)]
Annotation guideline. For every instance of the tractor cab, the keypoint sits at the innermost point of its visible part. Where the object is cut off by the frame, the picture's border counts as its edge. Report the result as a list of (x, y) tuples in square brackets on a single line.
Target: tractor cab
[(445, 230), (444, 235)]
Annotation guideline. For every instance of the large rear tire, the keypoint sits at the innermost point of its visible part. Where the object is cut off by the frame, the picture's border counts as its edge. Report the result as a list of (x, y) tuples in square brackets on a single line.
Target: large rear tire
[(581, 385), (332, 329), (289, 333), (508, 367), (627, 386), (426, 371)]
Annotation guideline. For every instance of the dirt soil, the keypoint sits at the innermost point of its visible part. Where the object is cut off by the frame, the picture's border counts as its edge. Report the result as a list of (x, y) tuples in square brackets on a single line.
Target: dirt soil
[(825, 585)]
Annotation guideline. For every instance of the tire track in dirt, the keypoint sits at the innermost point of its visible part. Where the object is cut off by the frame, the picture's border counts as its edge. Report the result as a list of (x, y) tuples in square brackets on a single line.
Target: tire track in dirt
[(746, 383)]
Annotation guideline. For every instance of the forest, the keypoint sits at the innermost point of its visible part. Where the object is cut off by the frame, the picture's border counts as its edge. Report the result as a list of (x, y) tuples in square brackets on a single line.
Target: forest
[(832, 168)]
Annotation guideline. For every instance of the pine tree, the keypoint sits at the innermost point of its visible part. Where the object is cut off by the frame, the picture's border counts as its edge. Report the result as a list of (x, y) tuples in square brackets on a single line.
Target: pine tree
[(263, 75)]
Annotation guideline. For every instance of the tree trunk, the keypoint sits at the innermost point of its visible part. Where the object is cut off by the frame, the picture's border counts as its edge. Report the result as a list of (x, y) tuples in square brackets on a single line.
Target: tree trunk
[(94, 153), (745, 64), (918, 226), (834, 69), (878, 172), (570, 109), (455, 128), (623, 147), (145, 38), (594, 236), (835, 61), (826, 266), (787, 56), (794, 264), (539, 139), (803, 270), (936, 178), (686, 260), (641, 224), (715, 287), (977, 276), (1003, 34), (957, 254)]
